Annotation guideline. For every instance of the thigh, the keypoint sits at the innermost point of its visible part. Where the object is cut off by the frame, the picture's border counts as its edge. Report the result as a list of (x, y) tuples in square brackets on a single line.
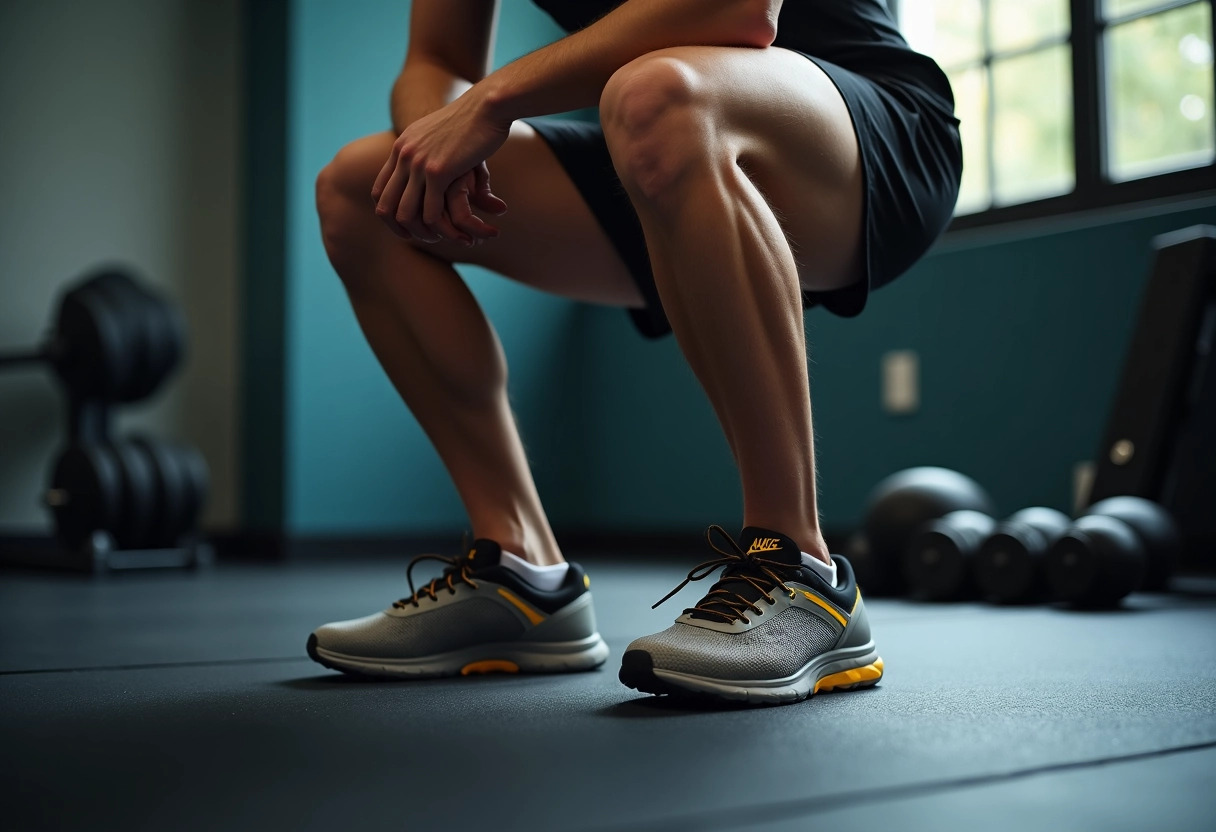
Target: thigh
[(791, 133), (549, 239)]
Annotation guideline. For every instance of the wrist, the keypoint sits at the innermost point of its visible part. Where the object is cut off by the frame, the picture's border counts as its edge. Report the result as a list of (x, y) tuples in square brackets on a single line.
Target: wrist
[(495, 101)]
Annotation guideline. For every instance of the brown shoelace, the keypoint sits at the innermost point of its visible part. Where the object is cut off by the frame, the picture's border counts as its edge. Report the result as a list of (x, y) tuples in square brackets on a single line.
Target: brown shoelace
[(742, 569), (458, 571)]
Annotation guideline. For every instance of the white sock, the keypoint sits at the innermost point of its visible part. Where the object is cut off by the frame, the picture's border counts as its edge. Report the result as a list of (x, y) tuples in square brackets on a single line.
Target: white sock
[(827, 571), (544, 578)]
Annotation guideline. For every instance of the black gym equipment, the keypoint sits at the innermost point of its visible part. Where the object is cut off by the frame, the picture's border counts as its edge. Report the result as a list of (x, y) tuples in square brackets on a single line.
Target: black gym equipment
[(1156, 531), (1121, 545), (85, 493), (115, 340), (938, 563), (1095, 564), (1159, 443), (117, 504), (1009, 564), (898, 506)]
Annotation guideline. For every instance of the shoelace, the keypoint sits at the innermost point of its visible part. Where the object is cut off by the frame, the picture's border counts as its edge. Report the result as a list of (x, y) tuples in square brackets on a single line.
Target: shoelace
[(458, 569), (741, 568)]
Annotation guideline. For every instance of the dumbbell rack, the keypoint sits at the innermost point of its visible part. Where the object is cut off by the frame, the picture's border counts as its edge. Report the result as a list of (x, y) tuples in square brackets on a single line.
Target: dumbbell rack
[(97, 551), (118, 505), (100, 555)]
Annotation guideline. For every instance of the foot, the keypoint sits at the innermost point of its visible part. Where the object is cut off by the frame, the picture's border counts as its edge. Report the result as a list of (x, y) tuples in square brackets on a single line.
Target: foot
[(771, 630), (476, 617)]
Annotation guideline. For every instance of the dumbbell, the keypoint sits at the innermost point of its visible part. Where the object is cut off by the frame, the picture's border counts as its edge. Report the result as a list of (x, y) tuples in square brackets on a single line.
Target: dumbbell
[(938, 561), (153, 329), (115, 340), (144, 492), (1009, 564), (1119, 545), (180, 486), (897, 507)]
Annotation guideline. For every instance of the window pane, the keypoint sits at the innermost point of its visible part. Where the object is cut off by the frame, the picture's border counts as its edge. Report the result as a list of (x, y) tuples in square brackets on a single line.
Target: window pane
[(1032, 130), (971, 107), (1118, 8), (948, 30), (1159, 93), (1015, 24)]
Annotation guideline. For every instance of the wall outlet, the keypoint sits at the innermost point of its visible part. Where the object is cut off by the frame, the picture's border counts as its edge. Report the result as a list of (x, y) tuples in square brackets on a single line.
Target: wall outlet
[(901, 381), (1082, 485)]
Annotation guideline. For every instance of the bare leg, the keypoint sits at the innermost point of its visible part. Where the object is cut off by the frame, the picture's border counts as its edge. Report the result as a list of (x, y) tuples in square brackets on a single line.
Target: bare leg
[(431, 336), (722, 260)]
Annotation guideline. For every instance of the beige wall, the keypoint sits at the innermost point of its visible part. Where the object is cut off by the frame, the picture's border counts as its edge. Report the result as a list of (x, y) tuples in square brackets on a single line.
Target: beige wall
[(120, 141)]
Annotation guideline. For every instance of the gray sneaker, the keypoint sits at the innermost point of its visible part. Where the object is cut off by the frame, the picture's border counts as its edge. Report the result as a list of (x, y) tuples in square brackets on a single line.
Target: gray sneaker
[(769, 631), (476, 617)]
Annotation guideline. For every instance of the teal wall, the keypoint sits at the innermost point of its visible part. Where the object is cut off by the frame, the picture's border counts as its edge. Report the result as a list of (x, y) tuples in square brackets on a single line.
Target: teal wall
[(355, 461), (1020, 332)]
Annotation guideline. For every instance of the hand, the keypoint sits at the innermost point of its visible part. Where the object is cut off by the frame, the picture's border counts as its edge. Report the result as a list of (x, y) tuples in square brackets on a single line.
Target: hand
[(436, 174)]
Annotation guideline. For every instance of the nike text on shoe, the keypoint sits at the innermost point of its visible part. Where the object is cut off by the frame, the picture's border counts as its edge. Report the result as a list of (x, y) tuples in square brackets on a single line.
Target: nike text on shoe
[(476, 617), (769, 631)]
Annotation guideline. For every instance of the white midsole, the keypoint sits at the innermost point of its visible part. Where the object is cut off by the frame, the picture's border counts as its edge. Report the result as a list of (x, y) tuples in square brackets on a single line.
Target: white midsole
[(795, 686), (529, 657)]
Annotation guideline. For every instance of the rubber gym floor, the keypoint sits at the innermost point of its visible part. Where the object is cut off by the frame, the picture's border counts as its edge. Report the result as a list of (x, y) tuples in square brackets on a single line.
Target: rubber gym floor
[(184, 701)]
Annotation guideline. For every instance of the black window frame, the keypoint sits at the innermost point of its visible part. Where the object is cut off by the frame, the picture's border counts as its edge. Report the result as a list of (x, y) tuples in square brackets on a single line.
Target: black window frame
[(1093, 190)]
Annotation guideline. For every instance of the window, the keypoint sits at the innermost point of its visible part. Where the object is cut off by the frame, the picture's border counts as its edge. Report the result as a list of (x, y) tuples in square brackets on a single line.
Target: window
[(1158, 87), (1072, 105)]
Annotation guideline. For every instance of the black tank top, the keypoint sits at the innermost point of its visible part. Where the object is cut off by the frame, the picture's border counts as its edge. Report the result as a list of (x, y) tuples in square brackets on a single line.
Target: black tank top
[(858, 35)]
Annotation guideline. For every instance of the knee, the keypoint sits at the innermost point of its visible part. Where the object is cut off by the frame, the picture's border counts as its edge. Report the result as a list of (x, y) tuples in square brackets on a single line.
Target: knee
[(344, 207), (656, 123)]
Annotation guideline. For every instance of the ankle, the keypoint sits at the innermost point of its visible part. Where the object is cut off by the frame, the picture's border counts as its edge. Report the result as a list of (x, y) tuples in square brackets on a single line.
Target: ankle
[(535, 547), (815, 546)]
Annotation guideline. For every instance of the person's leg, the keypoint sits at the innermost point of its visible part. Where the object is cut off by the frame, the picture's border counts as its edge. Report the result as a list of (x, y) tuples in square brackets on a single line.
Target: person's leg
[(430, 334), (745, 172)]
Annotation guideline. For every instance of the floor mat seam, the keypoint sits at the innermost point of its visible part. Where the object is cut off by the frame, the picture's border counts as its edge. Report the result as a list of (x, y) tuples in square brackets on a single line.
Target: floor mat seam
[(749, 816)]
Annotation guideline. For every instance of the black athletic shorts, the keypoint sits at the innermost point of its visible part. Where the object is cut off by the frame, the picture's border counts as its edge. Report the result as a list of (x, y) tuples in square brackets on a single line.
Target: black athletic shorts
[(911, 163)]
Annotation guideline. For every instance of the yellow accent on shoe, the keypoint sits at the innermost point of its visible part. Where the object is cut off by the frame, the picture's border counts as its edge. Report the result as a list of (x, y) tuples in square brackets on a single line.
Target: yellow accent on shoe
[(849, 679), (532, 614), (586, 582), (834, 612), (489, 666), (856, 601)]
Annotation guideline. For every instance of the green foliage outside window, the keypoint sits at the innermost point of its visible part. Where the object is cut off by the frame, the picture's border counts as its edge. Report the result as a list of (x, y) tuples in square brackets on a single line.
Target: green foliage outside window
[(1010, 64)]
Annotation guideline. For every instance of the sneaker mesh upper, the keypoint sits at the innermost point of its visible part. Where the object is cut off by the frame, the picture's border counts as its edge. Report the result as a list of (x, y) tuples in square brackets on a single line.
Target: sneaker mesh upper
[(780, 647), (424, 633)]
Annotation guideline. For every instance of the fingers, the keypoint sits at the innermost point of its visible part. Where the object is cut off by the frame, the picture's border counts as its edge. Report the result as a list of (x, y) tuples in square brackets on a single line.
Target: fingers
[(483, 198), (461, 211), (398, 195), (409, 211), (434, 217), (413, 205), (388, 193), (382, 178)]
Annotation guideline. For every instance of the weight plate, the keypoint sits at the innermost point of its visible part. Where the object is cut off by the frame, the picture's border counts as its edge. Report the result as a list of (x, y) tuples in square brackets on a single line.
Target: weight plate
[(94, 357), (134, 312), (196, 482), (86, 487), (139, 497), (167, 337), (170, 490)]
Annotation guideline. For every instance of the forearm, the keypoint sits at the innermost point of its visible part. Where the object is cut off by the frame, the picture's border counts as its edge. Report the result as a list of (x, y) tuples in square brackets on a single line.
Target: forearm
[(571, 73), (422, 88)]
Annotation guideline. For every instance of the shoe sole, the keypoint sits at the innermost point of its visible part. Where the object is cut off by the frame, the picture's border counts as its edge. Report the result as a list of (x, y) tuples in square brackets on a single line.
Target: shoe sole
[(837, 670), (541, 657)]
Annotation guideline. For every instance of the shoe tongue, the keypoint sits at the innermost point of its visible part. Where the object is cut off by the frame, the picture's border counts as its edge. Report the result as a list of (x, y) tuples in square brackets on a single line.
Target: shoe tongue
[(483, 554), (762, 544), (770, 545)]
